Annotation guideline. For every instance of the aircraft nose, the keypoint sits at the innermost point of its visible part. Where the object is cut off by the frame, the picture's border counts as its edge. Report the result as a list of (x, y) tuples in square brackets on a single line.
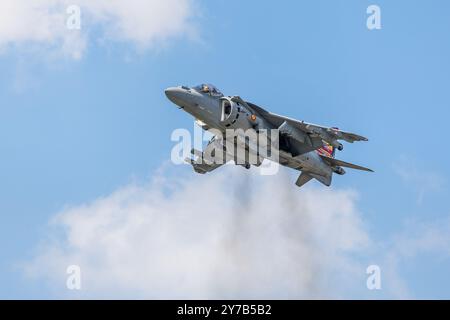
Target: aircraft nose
[(176, 95), (170, 92)]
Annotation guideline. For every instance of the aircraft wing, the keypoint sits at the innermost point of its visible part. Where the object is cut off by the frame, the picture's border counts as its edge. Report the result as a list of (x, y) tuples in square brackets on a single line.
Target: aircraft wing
[(201, 166), (328, 134), (336, 133)]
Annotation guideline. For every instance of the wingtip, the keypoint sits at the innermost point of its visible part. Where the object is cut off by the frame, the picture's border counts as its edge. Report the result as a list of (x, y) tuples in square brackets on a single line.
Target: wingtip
[(362, 138)]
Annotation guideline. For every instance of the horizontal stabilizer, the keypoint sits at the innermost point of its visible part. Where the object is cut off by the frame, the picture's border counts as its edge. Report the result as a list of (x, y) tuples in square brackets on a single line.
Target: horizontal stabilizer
[(340, 163), (303, 179)]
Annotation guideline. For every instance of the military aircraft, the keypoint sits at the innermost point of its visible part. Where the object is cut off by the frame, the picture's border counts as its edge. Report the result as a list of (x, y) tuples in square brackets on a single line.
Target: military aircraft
[(303, 146)]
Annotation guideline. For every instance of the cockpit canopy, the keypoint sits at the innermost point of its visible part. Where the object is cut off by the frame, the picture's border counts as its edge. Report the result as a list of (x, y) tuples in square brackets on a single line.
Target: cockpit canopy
[(209, 89)]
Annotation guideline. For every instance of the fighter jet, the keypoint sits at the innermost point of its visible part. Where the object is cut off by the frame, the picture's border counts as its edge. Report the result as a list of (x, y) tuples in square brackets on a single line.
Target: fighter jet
[(302, 146)]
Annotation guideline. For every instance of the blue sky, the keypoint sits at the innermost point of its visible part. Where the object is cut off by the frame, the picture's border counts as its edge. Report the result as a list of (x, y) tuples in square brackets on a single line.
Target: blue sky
[(74, 130)]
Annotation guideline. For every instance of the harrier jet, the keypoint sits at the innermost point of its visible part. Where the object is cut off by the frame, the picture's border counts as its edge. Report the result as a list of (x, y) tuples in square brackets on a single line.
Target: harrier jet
[(302, 146)]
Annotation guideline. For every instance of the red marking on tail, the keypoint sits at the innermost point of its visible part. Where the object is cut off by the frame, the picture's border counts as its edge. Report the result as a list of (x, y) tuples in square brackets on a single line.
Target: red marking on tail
[(327, 150)]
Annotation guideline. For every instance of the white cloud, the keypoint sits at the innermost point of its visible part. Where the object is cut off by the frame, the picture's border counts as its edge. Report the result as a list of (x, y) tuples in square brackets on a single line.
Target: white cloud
[(141, 21), (42, 23), (230, 234)]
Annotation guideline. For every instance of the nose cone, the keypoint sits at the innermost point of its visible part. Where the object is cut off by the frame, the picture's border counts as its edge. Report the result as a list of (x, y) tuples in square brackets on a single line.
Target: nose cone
[(170, 92), (176, 95)]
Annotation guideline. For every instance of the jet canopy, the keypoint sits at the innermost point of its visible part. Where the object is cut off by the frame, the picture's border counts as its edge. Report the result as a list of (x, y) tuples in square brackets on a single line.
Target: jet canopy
[(209, 89)]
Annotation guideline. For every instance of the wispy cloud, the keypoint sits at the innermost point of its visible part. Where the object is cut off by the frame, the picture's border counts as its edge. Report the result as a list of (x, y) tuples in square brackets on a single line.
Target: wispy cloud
[(422, 180), (230, 234), (414, 240), (41, 24)]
